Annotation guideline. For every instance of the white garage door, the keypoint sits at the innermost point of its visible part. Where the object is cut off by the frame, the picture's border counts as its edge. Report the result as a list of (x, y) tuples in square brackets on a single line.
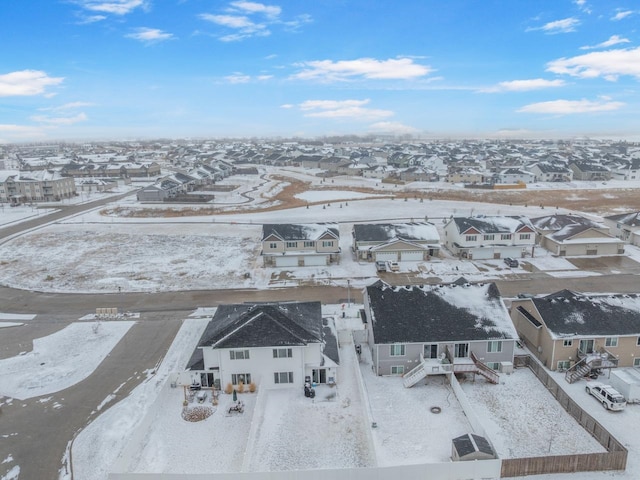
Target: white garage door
[(286, 261), (415, 256), (387, 256), (315, 260)]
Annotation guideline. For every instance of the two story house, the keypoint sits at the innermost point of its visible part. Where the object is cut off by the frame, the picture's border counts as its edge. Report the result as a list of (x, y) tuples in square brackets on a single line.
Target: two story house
[(625, 226), (396, 241), (421, 330), (489, 237), (300, 245), (269, 345)]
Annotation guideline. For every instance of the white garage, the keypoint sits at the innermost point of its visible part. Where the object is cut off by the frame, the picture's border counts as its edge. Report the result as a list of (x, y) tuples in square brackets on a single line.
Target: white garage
[(286, 261), (412, 256), (386, 256), (314, 260)]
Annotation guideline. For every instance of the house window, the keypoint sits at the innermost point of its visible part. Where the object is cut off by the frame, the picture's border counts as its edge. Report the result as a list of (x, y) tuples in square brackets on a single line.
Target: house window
[(238, 378), (505, 236), (397, 350), (273, 245), (239, 354), (611, 342), (471, 238), (525, 236), (282, 353), (461, 350), (489, 237), (567, 343), (283, 377), (494, 346), (431, 350), (636, 362), (493, 365), (309, 244), (563, 365), (397, 370), (292, 244), (327, 243), (638, 341)]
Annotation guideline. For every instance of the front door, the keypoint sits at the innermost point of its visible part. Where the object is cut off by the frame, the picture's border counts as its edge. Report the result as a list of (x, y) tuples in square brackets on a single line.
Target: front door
[(586, 346), (319, 375)]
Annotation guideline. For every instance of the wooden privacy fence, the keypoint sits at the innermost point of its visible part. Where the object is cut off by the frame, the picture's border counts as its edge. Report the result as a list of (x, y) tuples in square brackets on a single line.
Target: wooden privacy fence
[(615, 458)]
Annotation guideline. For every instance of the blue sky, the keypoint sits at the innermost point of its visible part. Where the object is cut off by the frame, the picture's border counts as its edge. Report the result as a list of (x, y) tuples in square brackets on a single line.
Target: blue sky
[(125, 69)]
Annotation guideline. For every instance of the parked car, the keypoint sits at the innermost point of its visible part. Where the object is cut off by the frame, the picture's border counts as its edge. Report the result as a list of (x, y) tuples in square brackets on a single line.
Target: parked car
[(381, 266), (393, 266), (610, 398), (511, 262)]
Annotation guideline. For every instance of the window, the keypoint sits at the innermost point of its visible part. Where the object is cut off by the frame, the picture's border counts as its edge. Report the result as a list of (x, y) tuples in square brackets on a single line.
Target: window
[(638, 341), (505, 236), (327, 243), (563, 365), (273, 245), (397, 370), (493, 365), (239, 354), (611, 342), (292, 244), (282, 353), (567, 343), (471, 238), (489, 237), (525, 236), (397, 350), (309, 244), (636, 362), (238, 378), (494, 346), (283, 377)]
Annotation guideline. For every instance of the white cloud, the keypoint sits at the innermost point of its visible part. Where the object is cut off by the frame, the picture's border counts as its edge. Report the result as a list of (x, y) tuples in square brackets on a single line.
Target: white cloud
[(622, 14), (608, 64), (115, 7), (287, 105), (369, 68), (393, 128), (613, 40), (238, 78), (254, 7), (26, 82), (565, 25), (81, 117), (567, 107), (582, 5), (150, 35), (263, 78), (246, 28), (92, 19), (353, 109), (524, 85)]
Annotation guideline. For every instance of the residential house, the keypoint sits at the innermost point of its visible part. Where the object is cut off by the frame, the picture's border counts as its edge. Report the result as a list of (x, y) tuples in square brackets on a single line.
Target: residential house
[(513, 176), (551, 172), (467, 175), (626, 170), (36, 186), (271, 345), (421, 330), (378, 171), (566, 329), (625, 226), (290, 245), (396, 242), (159, 191), (90, 185), (489, 237), (589, 171)]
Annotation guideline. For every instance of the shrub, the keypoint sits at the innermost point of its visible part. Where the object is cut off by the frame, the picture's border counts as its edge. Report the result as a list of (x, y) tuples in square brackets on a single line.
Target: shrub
[(228, 389), (252, 387)]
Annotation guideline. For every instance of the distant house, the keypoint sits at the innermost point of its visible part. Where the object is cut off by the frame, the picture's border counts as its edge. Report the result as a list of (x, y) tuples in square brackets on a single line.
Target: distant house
[(570, 235), (513, 175), (467, 175), (625, 226), (589, 171), (550, 172), (566, 328), (159, 191), (270, 345), (396, 241), (626, 170), (417, 331), (295, 245), (36, 186), (489, 237)]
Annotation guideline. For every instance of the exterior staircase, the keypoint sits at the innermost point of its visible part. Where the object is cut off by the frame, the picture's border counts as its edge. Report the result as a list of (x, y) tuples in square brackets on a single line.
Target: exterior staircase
[(425, 368), (482, 369), (579, 370), (414, 375)]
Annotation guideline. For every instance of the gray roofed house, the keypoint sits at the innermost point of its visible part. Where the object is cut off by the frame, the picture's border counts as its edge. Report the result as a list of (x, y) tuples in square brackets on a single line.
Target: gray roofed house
[(625, 226), (300, 245), (269, 344), (567, 328), (396, 241), (460, 324)]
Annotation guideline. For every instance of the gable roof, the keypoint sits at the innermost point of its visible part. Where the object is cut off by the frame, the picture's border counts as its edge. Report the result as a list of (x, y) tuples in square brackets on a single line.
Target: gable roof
[(630, 219), (288, 231), (557, 222), (492, 224), (438, 313), (382, 232), (570, 232), (264, 325), (568, 313)]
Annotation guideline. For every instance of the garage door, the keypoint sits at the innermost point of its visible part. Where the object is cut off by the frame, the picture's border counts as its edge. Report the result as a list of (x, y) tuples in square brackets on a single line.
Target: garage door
[(286, 261), (415, 256), (387, 256), (315, 260)]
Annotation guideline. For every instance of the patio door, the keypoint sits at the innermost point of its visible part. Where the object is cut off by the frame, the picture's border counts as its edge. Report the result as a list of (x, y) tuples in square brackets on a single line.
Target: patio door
[(319, 375), (431, 350), (586, 346), (461, 350)]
